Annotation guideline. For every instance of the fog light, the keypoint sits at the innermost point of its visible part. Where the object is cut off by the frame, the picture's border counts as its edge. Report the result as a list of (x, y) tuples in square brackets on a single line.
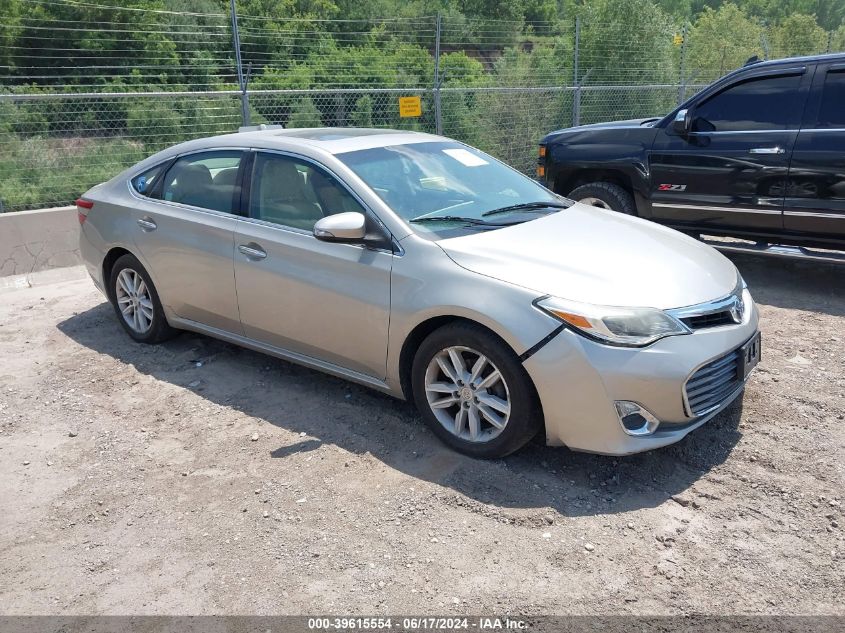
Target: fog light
[(635, 420)]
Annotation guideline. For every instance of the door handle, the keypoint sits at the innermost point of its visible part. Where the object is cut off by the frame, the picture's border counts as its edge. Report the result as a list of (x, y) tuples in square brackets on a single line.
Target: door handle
[(766, 150), (147, 224), (252, 251)]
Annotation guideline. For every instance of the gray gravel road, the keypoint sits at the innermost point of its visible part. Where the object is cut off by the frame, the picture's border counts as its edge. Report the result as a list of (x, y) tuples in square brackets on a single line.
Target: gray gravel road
[(199, 478)]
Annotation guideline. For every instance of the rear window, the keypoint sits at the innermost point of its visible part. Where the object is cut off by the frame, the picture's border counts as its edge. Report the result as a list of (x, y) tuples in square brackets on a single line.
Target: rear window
[(832, 111)]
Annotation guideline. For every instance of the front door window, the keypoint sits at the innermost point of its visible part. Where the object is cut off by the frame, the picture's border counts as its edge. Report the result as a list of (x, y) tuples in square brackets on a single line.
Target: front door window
[(295, 193)]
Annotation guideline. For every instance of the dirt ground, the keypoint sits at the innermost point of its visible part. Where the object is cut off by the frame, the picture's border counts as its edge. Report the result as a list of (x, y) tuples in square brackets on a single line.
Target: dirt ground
[(199, 478)]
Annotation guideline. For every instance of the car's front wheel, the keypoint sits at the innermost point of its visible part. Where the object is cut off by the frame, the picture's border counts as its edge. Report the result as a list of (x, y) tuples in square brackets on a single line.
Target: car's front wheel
[(605, 195), (473, 392), (136, 302)]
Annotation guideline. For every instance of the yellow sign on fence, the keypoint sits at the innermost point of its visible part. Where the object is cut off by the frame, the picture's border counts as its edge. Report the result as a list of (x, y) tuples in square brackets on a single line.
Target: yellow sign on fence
[(410, 106), (677, 40)]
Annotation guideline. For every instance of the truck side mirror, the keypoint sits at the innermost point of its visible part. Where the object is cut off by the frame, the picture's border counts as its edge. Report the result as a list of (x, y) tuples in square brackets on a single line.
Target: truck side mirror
[(683, 122)]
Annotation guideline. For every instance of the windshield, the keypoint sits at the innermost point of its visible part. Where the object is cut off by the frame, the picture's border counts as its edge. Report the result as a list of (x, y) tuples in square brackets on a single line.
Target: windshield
[(447, 188)]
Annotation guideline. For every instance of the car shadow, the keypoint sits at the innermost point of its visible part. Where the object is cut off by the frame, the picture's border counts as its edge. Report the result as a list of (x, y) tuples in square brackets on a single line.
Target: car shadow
[(794, 284), (329, 410)]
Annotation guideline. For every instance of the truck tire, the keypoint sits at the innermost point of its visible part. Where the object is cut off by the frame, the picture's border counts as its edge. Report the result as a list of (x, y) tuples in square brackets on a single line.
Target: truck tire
[(605, 195)]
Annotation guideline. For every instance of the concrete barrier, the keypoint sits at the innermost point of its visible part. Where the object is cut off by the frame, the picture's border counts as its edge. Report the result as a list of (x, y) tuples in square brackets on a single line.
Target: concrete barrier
[(32, 241)]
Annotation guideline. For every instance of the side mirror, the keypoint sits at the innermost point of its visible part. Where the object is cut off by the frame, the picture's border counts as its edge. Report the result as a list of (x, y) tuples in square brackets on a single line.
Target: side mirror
[(341, 227), (683, 122)]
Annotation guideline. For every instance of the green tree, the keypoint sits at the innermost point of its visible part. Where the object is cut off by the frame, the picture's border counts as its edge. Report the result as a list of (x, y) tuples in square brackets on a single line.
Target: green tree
[(720, 41), (458, 69), (305, 114), (362, 115), (837, 39), (9, 32), (547, 63), (626, 42), (798, 35), (506, 10), (155, 122), (828, 13)]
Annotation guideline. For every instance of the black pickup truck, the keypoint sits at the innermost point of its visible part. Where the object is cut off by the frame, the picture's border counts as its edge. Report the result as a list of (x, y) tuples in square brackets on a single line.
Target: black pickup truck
[(759, 154)]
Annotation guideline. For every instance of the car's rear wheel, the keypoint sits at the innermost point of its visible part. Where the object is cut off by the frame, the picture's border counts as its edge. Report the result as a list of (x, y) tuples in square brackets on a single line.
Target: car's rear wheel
[(473, 392), (136, 302), (605, 195)]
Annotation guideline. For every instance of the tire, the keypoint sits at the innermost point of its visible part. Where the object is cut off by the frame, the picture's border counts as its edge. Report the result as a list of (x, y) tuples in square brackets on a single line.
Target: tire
[(144, 320), (469, 415), (605, 195)]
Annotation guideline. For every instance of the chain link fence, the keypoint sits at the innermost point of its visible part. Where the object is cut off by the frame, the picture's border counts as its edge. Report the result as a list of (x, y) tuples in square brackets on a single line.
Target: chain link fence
[(73, 114)]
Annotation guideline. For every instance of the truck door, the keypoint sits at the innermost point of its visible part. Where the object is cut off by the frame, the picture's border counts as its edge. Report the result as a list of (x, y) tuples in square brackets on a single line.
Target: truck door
[(730, 168), (815, 192)]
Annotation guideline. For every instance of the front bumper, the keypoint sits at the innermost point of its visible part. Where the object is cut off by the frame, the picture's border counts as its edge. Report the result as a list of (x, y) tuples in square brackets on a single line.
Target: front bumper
[(579, 380)]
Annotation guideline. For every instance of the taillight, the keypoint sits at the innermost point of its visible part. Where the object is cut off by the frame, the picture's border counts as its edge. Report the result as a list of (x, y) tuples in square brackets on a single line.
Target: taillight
[(82, 208)]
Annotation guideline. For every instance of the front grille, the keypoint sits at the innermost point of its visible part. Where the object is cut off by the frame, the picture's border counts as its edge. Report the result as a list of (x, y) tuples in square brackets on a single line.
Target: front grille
[(714, 382), (714, 319)]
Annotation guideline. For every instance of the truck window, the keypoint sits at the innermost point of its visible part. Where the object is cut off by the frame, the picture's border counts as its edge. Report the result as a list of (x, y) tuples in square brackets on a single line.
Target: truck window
[(767, 103), (832, 110)]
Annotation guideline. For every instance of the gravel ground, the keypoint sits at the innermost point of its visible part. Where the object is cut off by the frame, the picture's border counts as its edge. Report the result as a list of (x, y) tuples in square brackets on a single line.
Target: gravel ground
[(199, 478)]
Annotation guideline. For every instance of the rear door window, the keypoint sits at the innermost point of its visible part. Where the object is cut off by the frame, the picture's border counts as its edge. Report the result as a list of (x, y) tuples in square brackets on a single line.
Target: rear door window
[(207, 180), (832, 110), (765, 103)]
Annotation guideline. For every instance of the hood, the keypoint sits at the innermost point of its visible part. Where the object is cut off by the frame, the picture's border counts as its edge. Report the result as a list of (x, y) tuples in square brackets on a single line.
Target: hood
[(628, 123), (596, 256)]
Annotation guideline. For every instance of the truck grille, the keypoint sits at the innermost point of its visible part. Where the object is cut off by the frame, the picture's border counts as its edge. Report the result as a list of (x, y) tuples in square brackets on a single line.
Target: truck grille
[(714, 382)]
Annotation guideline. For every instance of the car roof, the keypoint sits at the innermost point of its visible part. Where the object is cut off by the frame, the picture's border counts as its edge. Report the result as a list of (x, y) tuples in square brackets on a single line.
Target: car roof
[(334, 140), (313, 142)]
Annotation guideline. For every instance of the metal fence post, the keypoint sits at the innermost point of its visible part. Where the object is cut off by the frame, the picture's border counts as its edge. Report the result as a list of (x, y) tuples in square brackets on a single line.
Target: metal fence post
[(682, 80), (438, 114), (236, 42), (576, 96)]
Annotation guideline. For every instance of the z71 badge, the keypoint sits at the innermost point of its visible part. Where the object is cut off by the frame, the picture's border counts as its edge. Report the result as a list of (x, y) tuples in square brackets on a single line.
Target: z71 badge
[(668, 187)]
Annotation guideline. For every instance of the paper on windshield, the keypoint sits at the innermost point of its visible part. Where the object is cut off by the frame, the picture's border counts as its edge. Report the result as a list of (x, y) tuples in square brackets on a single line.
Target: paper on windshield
[(465, 158)]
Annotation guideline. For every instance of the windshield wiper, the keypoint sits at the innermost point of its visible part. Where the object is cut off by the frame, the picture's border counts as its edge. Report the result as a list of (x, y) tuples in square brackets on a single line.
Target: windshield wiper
[(526, 206), (454, 218)]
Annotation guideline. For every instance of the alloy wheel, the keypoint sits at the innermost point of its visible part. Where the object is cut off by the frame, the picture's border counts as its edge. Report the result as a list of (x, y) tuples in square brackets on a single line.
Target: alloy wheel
[(134, 300), (467, 394)]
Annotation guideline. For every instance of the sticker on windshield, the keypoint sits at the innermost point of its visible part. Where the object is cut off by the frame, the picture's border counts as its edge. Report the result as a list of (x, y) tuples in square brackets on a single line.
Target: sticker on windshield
[(465, 158)]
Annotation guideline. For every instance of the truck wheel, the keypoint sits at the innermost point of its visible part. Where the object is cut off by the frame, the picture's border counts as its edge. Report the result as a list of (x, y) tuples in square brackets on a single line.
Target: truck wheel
[(605, 195)]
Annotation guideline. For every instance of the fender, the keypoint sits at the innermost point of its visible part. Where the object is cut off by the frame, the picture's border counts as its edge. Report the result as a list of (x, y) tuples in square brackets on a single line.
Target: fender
[(616, 152)]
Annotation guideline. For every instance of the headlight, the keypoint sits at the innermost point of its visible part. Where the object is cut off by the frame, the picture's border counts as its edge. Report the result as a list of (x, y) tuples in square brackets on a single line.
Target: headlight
[(631, 327), (746, 302)]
